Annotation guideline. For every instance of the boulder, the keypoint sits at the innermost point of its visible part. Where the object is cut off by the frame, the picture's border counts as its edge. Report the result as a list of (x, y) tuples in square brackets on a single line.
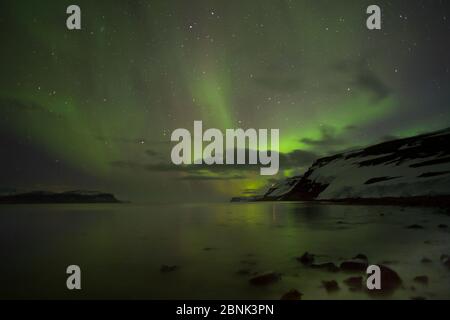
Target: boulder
[(415, 226), (361, 257), (265, 278), (330, 286), (292, 295), (426, 260), (306, 258), (354, 265), (445, 259), (390, 280)]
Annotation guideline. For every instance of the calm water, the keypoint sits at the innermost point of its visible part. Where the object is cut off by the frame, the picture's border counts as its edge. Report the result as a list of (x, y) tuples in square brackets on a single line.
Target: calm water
[(120, 249)]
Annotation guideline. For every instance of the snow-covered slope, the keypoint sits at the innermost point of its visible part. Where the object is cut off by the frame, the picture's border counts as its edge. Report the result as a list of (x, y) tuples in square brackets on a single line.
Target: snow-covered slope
[(411, 167)]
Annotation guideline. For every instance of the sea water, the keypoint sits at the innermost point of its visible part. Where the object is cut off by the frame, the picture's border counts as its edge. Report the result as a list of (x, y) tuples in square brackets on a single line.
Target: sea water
[(217, 248)]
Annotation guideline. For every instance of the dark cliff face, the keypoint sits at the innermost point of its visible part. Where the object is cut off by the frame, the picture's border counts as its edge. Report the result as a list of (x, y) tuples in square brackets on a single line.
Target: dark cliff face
[(305, 189), (413, 167), (64, 197)]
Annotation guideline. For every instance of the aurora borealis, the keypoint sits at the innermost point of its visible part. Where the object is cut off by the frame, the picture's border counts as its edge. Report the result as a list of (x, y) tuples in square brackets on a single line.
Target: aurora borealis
[(94, 109)]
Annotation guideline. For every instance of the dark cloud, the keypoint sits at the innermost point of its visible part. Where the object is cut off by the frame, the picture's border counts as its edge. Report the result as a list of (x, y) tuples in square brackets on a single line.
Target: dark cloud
[(294, 159), (351, 127), (211, 178), (151, 153), (127, 140), (365, 78), (297, 158), (329, 138), (192, 168), (17, 106)]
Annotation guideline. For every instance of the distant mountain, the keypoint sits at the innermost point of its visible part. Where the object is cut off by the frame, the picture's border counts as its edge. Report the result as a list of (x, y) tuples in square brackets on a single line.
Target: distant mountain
[(8, 191), (78, 196), (246, 199), (413, 170)]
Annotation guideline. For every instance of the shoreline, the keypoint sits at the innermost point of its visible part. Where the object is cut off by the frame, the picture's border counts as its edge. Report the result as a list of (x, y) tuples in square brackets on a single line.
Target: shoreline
[(418, 201)]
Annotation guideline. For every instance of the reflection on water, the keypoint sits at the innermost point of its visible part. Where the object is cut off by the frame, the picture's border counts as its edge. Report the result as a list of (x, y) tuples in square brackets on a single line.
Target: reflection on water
[(120, 249)]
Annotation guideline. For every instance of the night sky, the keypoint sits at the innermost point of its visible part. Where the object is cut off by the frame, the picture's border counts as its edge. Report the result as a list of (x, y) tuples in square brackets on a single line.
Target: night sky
[(94, 109)]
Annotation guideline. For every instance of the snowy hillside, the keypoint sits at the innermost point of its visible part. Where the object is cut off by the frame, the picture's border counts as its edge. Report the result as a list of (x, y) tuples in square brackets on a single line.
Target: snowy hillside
[(411, 167)]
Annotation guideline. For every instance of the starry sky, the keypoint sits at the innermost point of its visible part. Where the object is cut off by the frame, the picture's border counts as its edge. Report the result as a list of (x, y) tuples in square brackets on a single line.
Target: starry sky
[(94, 108)]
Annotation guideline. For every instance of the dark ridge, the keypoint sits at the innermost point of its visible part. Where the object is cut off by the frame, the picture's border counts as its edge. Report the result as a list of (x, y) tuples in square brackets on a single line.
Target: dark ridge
[(430, 162), (289, 181), (326, 160), (424, 145), (245, 199), (433, 174), (42, 197), (379, 179), (305, 189)]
